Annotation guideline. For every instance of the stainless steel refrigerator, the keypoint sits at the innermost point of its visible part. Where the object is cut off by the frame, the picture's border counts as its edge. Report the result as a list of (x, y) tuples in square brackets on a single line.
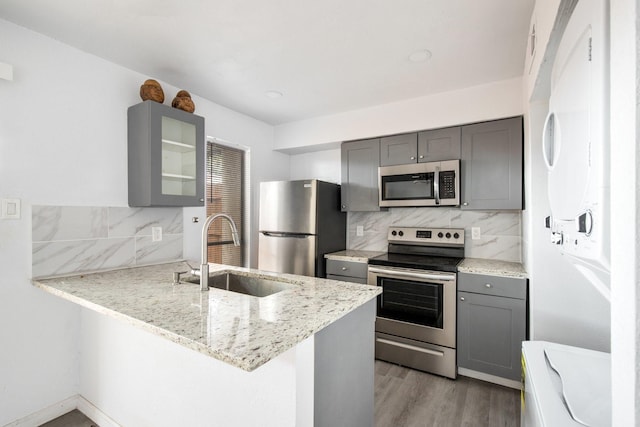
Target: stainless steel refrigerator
[(300, 221)]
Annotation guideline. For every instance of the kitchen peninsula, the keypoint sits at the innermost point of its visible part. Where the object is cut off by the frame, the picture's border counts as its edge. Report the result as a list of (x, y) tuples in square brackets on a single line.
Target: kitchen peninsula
[(305, 354)]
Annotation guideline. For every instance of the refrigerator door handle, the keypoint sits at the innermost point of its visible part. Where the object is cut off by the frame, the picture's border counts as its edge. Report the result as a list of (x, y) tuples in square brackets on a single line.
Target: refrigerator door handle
[(294, 235)]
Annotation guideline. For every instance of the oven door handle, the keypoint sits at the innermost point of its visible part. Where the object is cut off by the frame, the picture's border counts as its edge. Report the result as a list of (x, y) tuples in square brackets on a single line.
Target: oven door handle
[(436, 185), (409, 274), (410, 347)]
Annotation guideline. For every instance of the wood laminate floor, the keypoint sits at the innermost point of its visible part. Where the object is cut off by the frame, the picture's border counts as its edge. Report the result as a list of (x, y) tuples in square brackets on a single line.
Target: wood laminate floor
[(74, 418), (409, 398)]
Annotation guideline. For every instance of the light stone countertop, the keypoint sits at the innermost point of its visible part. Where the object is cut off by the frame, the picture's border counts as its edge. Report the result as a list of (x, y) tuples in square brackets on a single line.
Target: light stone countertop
[(238, 329), (353, 255), (492, 267)]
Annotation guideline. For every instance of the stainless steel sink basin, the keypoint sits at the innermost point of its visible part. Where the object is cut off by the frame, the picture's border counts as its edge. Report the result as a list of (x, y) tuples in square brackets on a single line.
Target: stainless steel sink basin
[(244, 284)]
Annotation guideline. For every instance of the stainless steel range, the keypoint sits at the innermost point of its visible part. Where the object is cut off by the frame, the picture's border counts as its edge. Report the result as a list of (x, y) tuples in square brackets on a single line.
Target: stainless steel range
[(416, 318)]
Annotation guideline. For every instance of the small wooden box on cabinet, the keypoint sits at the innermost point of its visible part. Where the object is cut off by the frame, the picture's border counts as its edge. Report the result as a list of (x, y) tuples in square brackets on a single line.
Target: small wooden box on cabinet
[(165, 156)]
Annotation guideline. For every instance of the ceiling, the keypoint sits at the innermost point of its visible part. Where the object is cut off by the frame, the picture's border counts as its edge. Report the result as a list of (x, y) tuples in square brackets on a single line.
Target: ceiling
[(324, 56)]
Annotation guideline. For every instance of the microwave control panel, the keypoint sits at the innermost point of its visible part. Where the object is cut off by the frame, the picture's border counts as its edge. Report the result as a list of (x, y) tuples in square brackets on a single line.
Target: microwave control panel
[(447, 185)]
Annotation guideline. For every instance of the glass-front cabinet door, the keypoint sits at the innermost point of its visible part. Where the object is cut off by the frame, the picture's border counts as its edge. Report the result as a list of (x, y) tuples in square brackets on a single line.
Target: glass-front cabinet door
[(178, 157), (166, 156)]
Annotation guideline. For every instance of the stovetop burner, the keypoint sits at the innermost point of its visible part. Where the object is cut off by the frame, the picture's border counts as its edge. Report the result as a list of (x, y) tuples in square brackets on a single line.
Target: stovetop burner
[(440, 249), (422, 262)]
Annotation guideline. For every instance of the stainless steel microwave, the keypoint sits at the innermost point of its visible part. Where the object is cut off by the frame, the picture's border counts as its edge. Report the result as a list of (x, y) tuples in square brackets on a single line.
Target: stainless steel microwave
[(420, 184)]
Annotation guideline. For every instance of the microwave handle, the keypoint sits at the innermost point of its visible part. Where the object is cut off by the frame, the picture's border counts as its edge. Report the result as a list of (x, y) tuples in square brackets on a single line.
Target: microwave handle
[(436, 185)]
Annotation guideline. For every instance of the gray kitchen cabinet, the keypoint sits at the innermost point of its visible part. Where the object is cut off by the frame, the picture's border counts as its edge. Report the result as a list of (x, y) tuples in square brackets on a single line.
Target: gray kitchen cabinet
[(439, 144), (165, 156), (427, 146), (360, 161), (399, 149), (347, 271), (491, 165), (492, 323)]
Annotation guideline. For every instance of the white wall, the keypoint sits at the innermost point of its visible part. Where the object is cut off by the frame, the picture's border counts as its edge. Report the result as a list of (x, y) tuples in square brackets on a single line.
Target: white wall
[(625, 236), (543, 18), (323, 165), (468, 105), (63, 141)]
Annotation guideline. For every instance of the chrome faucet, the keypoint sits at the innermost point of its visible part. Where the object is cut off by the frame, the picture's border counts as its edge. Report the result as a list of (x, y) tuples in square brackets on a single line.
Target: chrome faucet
[(204, 264)]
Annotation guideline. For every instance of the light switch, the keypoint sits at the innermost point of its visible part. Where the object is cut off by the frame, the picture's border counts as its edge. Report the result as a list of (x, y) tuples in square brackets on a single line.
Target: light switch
[(10, 209), (359, 230)]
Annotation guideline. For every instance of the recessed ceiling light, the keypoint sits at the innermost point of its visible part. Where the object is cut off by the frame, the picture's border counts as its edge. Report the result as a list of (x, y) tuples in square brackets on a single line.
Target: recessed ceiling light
[(420, 56), (273, 94)]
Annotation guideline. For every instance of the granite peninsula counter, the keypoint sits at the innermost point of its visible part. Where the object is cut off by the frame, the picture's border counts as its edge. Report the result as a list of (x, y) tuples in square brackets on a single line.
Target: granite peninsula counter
[(238, 329)]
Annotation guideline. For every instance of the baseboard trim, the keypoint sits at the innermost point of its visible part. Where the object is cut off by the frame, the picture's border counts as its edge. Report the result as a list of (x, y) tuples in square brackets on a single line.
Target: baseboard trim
[(490, 378), (91, 411), (58, 409), (47, 414)]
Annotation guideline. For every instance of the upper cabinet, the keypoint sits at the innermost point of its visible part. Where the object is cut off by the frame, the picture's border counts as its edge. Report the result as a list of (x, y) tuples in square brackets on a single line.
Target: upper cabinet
[(491, 165), (166, 156), (360, 161), (427, 146), (399, 149), (439, 144)]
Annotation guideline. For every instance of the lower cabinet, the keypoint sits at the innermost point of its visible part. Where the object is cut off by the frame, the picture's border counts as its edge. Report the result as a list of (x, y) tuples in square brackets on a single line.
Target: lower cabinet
[(492, 323)]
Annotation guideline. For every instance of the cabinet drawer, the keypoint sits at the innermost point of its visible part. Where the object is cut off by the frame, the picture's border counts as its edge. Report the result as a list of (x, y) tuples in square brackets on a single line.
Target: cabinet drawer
[(347, 268), (361, 280), (493, 285)]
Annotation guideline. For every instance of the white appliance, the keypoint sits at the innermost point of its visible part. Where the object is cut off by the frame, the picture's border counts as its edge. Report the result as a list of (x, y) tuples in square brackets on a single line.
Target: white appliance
[(565, 386), (575, 144)]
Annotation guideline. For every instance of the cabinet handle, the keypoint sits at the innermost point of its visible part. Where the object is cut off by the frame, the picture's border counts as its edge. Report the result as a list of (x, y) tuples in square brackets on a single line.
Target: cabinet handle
[(461, 298), (344, 206), (421, 157), (202, 200), (413, 157), (465, 204), (344, 268), (488, 285)]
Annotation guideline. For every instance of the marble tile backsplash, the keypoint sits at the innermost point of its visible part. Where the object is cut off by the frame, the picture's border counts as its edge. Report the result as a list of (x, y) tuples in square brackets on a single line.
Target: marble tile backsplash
[(77, 239), (501, 231)]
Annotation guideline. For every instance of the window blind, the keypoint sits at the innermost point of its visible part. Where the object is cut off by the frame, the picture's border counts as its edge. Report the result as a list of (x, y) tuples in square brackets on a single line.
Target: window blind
[(225, 194)]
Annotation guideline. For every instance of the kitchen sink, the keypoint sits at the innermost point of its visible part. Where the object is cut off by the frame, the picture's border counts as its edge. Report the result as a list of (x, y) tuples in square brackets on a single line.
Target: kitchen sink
[(257, 286)]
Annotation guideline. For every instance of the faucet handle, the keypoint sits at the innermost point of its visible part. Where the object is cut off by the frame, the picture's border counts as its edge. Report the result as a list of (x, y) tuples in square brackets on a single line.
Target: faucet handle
[(176, 276)]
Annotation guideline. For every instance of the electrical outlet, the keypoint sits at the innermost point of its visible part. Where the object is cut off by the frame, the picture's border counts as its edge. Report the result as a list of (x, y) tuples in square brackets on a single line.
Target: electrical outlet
[(156, 234), (475, 233), (359, 230)]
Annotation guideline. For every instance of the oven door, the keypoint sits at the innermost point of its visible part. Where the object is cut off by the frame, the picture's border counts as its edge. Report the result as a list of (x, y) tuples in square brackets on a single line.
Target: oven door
[(416, 304)]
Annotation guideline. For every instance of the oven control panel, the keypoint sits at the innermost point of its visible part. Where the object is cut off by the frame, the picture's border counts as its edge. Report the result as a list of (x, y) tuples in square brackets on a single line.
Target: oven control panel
[(426, 236)]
